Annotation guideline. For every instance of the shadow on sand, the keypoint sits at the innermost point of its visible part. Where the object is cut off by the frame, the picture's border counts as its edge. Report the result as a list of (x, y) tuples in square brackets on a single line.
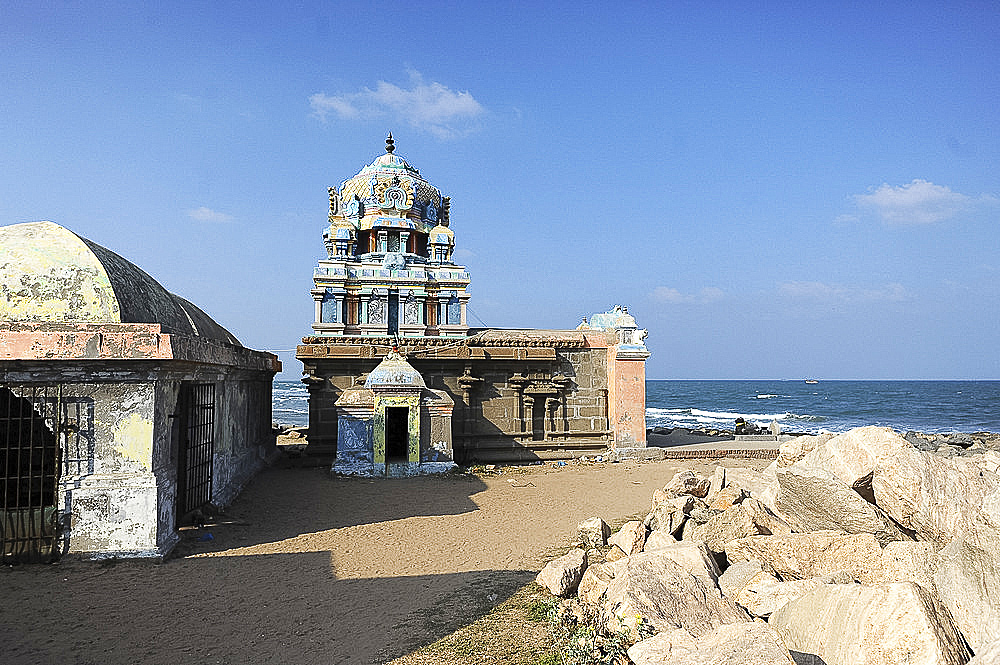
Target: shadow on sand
[(255, 608)]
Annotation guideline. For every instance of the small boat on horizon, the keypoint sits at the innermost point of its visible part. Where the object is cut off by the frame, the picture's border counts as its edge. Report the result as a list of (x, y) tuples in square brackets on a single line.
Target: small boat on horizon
[(811, 381)]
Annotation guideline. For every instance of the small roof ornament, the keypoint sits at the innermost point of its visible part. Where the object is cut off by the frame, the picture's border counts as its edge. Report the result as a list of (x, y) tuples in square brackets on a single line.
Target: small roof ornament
[(390, 145)]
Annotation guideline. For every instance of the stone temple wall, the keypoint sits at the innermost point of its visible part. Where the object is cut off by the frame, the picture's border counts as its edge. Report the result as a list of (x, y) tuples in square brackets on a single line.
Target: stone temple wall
[(512, 403)]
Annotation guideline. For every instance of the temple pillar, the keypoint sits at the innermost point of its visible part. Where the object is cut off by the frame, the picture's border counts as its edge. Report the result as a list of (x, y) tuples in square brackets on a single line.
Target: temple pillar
[(627, 395)]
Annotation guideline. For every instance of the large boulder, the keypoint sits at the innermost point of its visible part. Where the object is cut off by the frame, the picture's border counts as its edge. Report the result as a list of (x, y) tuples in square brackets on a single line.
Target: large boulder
[(795, 449), (989, 654), (687, 482), (655, 590), (593, 532), (669, 515), (814, 499), (731, 644), (562, 575), (658, 539), (940, 498), (595, 582), (748, 518), (764, 594), (965, 578), (630, 538), (739, 575), (880, 625), (855, 454), (799, 556)]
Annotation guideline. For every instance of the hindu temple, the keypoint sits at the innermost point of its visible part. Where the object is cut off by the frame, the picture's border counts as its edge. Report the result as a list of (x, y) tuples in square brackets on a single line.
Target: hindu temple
[(399, 384)]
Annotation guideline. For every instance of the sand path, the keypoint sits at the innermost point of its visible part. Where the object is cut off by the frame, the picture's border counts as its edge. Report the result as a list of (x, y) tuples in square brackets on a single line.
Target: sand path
[(305, 568)]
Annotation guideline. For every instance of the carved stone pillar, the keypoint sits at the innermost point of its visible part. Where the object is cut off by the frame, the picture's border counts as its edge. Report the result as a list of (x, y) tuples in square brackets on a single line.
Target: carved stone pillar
[(317, 295), (518, 381)]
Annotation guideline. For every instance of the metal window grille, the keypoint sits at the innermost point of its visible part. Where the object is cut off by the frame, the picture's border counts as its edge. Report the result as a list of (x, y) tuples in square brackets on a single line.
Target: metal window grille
[(30, 429), (197, 447)]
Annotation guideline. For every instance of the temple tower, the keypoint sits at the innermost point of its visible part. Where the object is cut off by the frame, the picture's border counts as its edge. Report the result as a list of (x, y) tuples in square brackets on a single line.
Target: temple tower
[(389, 268)]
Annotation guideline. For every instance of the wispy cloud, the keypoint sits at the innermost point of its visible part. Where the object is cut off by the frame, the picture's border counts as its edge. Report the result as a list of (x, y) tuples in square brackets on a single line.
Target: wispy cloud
[(839, 293), (917, 203), (430, 107), (671, 296), (204, 214)]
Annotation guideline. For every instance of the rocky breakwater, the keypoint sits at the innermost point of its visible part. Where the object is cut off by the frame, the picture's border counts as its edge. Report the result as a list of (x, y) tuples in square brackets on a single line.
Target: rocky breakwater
[(852, 549)]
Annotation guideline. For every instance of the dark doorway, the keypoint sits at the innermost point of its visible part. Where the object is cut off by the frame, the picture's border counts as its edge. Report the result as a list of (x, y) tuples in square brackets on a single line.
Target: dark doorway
[(397, 435), (197, 447), (538, 419), (29, 475), (392, 327)]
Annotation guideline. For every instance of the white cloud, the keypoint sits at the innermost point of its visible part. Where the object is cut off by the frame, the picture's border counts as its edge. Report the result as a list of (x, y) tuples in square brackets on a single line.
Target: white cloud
[(920, 202), (830, 293), (204, 214), (431, 107), (671, 296)]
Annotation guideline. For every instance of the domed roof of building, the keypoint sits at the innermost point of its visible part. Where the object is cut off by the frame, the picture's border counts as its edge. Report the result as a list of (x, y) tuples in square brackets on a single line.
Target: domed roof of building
[(394, 372), (49, 274), (391, 169)]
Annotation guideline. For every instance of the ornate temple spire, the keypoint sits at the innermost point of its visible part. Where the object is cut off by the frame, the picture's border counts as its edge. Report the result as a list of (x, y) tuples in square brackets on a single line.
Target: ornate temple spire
[(390, 145)]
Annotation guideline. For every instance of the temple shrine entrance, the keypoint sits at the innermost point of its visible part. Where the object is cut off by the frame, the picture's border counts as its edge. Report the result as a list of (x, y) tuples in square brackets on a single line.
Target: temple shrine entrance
[(538, 420), (397, 435)]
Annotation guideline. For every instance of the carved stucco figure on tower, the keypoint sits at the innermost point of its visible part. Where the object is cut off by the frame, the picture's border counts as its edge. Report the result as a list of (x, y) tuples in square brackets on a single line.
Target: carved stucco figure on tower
[(389, 268)]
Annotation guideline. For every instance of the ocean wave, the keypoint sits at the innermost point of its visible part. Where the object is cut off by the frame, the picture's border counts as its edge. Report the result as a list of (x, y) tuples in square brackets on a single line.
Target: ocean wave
[(766, 396), (731, 415)]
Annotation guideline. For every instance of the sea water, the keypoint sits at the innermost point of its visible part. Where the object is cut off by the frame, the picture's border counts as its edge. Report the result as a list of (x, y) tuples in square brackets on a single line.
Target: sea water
[(833, 406)]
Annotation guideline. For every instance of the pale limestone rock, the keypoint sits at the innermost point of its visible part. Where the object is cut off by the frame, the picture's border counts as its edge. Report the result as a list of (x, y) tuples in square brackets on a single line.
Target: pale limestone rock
[(855, 454), (749, 518), (751, 480), (615, 554), (657, 540), (859, 625), (667, 517), (716, 482), (908, 561), (630, 538), (763, 595), (738, 575), (800, 556), (562, 575), (966, 579), (813, 499), (940, 498), (749, 643), (595, 582), (687, 482), (695, 559), (726, 498), (594, 532), (988, 654), (795, 449), (656, 590), (989, 461)]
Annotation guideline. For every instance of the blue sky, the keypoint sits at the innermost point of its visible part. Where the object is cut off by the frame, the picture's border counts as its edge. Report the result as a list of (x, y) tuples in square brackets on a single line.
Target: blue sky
[(776, 190)]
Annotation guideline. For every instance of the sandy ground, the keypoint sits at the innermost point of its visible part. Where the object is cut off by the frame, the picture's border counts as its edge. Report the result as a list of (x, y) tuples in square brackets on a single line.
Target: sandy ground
[(307, 568)]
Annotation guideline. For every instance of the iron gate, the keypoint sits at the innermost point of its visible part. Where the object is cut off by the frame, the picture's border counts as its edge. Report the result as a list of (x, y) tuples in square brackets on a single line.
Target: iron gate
[(197, 447), (30, 427)]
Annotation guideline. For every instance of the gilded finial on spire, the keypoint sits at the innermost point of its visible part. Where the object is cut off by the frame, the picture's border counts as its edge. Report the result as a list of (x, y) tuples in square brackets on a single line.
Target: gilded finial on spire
[(389, 144)]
